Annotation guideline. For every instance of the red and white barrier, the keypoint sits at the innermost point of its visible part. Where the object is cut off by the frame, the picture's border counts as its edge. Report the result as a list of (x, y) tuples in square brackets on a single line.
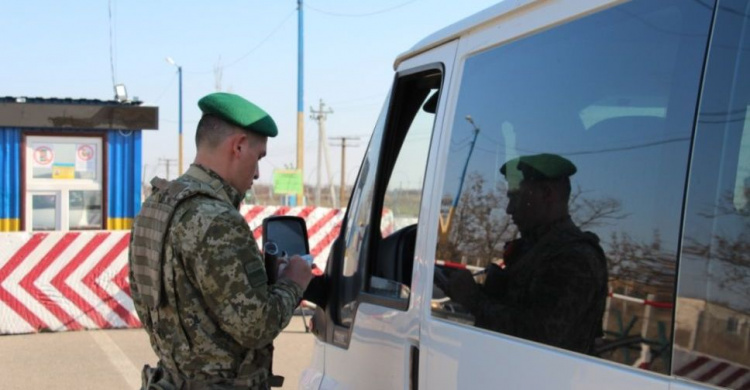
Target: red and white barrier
[(58, 281), (710, 369), (64, 281)]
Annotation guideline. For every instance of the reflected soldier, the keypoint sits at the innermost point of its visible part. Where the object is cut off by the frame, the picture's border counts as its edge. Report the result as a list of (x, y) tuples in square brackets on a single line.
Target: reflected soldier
[(552, 285)]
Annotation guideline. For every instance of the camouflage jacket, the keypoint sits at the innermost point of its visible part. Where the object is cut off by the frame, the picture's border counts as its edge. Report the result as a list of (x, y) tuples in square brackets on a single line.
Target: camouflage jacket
[(217, 315), (553, 289)]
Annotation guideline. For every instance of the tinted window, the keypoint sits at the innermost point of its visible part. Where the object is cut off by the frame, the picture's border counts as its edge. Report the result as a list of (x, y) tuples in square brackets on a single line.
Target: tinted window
[(574, 243), (712, 330)]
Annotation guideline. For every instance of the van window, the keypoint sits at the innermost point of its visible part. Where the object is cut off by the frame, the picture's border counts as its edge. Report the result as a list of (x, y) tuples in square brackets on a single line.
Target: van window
[(381, 226), (712, 325), (563, 195)]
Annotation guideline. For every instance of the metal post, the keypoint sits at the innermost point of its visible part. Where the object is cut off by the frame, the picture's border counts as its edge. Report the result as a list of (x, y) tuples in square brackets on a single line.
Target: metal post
[(300, 94), (179, 157), (466, 165), (342, 190)]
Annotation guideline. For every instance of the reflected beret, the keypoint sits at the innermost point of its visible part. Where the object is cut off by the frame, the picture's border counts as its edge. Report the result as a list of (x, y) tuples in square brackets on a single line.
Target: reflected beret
[(238, 111), (543, 166)]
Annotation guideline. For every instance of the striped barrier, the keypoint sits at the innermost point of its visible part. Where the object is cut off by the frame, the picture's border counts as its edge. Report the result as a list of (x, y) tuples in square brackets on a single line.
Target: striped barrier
[(59, 281), (710, 369), (64, 281)]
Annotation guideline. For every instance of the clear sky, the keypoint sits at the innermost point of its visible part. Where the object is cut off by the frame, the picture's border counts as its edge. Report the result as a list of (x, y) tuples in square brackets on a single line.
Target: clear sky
[(80, 49)]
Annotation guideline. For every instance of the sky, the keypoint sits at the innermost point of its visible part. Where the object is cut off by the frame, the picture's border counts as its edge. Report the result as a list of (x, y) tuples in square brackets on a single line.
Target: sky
[(81, 49)]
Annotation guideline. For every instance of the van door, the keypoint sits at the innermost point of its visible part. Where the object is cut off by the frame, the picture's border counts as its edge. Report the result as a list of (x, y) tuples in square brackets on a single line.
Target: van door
[(370, 325), (612, 88)]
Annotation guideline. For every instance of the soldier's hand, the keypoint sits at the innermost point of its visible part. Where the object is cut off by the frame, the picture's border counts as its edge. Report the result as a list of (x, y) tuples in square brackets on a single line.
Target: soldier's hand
[(461, 287), (298, 271)]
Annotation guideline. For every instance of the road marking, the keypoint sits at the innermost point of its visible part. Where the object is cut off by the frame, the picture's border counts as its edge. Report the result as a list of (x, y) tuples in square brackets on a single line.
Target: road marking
[(122, 363)]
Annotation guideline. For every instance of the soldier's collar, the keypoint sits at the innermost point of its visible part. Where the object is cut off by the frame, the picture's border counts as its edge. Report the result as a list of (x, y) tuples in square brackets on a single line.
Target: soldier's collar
[(535, 234), (207, 175)]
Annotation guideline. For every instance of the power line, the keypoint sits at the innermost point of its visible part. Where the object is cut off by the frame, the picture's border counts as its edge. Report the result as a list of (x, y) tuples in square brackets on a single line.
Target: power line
[(161, 95), (111, 44), (256, 47), (339, 14)]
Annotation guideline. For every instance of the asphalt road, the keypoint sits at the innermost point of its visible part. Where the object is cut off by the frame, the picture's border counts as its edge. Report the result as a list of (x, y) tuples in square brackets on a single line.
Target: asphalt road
[(112, 359)]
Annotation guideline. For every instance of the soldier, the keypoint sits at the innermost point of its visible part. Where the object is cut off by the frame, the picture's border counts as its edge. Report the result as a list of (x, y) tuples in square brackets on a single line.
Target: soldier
[(552, 285), (197, 276)]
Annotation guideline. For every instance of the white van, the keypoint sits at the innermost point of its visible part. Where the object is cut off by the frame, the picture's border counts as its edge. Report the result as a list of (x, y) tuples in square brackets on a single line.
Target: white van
[(650, 101)]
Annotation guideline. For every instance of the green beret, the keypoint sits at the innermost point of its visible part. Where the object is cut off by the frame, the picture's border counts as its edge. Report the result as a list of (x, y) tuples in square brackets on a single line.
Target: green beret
[(238, 111), (543, 166)]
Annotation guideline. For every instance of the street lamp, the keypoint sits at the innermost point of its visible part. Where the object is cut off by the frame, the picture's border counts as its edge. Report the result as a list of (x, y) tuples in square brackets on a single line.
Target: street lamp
[(179, 73)]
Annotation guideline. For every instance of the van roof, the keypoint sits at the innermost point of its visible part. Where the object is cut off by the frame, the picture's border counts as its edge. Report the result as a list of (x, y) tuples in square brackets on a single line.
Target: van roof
[(462, 27)]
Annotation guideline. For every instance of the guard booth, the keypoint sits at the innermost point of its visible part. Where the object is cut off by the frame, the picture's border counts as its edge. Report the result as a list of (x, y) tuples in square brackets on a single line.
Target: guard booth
[(70, 164)]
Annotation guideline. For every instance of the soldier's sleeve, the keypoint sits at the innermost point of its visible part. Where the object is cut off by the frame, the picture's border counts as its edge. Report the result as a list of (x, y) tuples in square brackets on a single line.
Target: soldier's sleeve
[(229, 271), (559, 298)]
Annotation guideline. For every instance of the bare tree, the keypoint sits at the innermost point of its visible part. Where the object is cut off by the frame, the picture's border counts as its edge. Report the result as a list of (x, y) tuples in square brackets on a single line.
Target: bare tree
[(728, 247)]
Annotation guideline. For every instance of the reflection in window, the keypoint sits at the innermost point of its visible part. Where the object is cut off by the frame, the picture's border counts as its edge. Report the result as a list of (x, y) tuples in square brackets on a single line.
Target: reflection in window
[(85, 211), (626, 125), (44, 212), (742, 181), (712, 330)]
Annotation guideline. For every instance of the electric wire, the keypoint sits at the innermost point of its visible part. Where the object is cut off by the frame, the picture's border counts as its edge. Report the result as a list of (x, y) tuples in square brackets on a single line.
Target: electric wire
[(339, 14), (256, 47), (111, 46)]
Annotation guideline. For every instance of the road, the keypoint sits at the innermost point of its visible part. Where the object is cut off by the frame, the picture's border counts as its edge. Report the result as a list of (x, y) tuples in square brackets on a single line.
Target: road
[(112, 359)]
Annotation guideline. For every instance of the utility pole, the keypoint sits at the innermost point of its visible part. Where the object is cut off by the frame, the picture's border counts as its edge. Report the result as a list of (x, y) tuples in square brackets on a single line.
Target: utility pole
[(343, 145), (320, 115), (300, 99), (167, 163)]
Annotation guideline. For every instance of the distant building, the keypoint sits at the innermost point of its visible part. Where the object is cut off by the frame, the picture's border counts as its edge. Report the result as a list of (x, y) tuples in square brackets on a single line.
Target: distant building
[(70, 164)]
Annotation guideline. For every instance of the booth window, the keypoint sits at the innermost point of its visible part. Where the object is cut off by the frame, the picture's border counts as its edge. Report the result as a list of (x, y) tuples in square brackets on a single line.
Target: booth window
[(64, 183)]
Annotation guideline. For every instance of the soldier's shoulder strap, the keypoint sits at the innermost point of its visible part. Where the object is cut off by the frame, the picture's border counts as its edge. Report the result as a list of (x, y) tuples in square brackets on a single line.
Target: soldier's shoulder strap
[(150, 230)]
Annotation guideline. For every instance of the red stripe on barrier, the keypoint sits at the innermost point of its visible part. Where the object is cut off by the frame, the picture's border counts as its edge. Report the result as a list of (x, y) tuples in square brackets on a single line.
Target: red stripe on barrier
[(27, 283), (450, 264), (305, 212), (8, 269), (713, 372), (733, 377), (91, 281), (692, 366), (326, 240), (658, 305), (253, 212), (122, 281), (59, 281), (331, 214), (258, 232)]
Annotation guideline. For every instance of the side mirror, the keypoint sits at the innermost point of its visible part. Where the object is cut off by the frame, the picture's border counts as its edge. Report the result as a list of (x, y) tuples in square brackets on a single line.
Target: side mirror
[(283, 236), (287, 233)]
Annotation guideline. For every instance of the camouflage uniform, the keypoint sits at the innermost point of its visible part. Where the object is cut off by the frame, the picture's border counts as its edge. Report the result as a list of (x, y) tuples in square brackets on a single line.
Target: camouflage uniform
[(553, 289), (207, 308)]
